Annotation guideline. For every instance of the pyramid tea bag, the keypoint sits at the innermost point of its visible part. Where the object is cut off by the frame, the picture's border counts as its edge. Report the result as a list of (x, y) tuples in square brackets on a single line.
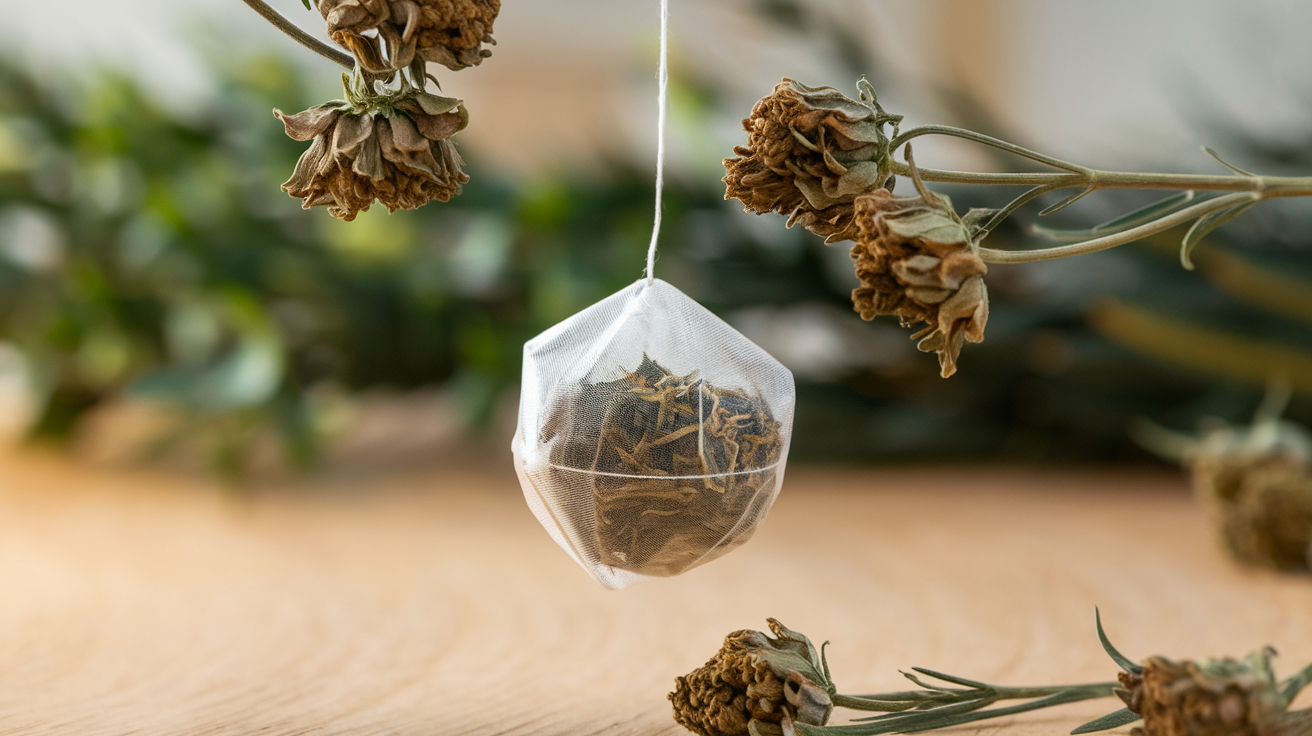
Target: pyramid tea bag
[(652, 435)]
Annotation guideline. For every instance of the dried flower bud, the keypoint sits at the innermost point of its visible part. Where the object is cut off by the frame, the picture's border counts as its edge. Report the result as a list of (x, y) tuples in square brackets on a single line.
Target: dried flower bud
[(810, 151), (1257, 485), (753, 684), (449, 32), (395, 150), (1218, 697), (916, 260)]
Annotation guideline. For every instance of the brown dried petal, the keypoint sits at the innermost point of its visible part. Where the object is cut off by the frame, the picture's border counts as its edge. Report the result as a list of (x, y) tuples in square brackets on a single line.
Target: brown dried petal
[(369, 161), (351, 132), (307, 168), (356, 16), (306, 125), (405, 136), (438, 127), (960, 317), (406, 13)]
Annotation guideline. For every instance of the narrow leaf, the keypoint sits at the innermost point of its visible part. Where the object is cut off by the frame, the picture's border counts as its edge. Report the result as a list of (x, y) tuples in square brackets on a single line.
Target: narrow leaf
[(954, 680), (1206, 224), (1141, 216), (1120, 659), (1148, 213), (1227, 164), (307, 4), (924, 684), (1111, 720), (1065, 202), (1293, 686)]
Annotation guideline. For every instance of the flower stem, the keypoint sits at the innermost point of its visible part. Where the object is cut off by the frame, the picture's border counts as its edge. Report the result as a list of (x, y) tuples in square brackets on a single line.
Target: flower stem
[(305, 39), (1269, 186), (1074, 175)]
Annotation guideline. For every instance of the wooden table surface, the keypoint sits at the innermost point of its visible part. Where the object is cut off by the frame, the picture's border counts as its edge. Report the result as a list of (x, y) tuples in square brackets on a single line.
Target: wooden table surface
[(430, 602)]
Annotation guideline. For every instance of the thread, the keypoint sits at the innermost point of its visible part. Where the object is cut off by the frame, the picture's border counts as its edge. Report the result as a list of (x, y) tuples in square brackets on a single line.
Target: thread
[(663, 83)]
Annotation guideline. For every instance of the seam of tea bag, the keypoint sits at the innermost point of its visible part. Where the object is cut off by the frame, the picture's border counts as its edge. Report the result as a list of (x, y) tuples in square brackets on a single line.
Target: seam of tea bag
[(666, 477), (663, 77)]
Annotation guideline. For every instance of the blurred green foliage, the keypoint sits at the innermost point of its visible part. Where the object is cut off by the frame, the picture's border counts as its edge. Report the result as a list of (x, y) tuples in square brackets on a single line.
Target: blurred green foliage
[(149, 253)]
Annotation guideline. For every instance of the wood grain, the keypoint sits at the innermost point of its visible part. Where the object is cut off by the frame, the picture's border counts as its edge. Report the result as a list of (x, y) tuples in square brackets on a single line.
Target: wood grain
[(432, 603)]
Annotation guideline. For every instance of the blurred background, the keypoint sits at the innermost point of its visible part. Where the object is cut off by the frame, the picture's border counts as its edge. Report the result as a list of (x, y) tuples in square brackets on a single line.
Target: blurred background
[(162, 301)]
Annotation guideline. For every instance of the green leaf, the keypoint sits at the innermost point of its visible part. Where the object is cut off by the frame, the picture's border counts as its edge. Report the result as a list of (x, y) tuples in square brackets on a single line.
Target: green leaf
[(953, 679), (1227, 164), (307, 4), (1141, 216), (1065, 202), (1206, 224), (1111, 720), (1120, 659)]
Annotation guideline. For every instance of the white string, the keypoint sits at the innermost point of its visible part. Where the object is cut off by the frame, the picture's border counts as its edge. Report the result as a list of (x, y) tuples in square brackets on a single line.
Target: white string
[(663, 83)]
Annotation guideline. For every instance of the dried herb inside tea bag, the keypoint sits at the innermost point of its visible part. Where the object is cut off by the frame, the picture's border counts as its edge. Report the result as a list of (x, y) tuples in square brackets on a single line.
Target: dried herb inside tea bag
[(675, 464)]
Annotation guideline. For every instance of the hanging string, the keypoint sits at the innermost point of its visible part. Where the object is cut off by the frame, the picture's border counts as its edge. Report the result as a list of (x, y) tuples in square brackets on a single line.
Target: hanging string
[(663, 83)]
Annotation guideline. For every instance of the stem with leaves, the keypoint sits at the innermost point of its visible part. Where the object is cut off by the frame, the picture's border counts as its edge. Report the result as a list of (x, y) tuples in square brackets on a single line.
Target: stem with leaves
[(937, 706), (1245, 190)]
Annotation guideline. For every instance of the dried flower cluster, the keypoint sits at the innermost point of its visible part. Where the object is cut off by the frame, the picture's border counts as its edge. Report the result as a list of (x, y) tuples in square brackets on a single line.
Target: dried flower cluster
[(754, 683), (1218, 697), (810, 151), (674, 465), (916, 261), (390, 35), (1256, 483), (389, 141), (396, 150), (822, 159)]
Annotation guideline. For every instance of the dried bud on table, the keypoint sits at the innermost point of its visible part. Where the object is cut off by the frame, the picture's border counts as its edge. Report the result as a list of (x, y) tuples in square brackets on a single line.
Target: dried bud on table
[(810, 151), (916, 261), (395, 149), (1257, 485), (1219, 697), (449, 32), (752, 684)]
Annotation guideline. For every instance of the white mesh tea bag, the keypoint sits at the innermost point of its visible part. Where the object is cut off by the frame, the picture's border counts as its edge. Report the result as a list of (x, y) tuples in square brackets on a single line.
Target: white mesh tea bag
[(652, 435)]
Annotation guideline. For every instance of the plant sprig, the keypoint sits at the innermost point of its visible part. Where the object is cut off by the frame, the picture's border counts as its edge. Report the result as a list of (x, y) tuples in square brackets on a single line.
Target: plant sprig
[(782, 686), (937, 706), (1247, 189)]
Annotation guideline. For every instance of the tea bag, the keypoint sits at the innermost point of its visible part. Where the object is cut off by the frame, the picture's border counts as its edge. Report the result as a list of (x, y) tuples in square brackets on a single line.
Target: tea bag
[(652, 436)]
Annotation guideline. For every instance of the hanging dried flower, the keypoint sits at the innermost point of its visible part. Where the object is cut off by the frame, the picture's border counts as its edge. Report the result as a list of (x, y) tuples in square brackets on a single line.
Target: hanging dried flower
[(449, 32), (753, 684), (916, 261), (393, 149), (1215, 697), (810, 151)]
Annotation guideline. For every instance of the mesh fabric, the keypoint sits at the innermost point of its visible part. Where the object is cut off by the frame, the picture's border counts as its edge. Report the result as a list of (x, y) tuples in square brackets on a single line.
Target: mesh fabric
[(652, 436)]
